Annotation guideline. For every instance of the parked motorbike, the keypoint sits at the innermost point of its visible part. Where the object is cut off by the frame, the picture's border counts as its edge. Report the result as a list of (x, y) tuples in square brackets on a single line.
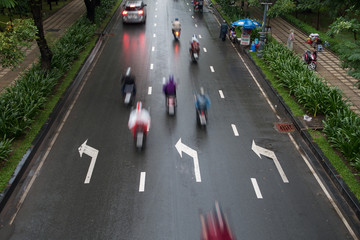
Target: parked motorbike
[(171, 104), (310, 59)]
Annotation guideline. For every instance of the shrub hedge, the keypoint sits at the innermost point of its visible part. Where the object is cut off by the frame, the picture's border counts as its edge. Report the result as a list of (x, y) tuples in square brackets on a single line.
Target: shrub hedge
[(341, 125)]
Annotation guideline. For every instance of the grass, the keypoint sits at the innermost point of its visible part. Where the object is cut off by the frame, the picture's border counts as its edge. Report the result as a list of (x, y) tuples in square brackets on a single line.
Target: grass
[(346, 174)]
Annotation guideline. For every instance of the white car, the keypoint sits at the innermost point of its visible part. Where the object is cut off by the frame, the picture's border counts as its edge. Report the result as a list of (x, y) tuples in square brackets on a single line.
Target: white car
[(134, 12)]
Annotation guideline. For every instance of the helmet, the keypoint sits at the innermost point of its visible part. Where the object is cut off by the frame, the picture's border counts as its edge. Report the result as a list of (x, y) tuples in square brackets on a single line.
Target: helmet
[(176, 19), (171, 78)]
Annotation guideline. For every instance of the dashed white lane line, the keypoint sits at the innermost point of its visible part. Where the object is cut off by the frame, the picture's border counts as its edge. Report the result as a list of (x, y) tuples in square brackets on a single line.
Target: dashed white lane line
[(153, 49), (256, 188), (142, 182), (151, 66), (154, 24), (192, 16), (195, 25), (155, 9), (155, 16), (200, 36), (221, 94), (204, 49), (236, 133), (154, 35), (187, 4), (189, 9), (149, 90), (212, 69)]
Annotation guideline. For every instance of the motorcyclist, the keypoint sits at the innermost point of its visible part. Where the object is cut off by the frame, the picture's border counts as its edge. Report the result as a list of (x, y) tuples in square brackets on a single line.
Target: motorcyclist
[(194, 45), (202, 101), (169, 88), (176, 26), (128, 80), (139, 117)]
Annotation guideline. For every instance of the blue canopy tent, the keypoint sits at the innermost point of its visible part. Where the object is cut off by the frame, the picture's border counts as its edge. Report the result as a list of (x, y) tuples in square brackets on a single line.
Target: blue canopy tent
[(246, 23)]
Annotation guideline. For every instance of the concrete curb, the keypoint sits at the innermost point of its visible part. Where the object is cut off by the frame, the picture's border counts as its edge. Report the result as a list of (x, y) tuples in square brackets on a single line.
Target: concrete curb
[(28, 156)]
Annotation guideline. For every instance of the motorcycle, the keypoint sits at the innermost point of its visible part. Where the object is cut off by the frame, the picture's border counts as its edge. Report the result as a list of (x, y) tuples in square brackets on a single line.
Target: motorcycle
[(128, 94), (176, 34), (140, 136), (194, 53), (201, 117), (171, 104), (310, 59), (198, 7)]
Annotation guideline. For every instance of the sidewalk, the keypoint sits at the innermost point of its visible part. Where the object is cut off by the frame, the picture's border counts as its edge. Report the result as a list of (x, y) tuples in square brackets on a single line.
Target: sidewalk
[(328, 64), (54, 27)]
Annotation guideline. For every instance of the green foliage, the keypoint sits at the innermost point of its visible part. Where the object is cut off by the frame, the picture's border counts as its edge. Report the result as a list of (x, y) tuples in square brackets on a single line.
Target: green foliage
[(5, 148), (281, 7), (233, 12), (342, 24), (19, 33), (350, 56)]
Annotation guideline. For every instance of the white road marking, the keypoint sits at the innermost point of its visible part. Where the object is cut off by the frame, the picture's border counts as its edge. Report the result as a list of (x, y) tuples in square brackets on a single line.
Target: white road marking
[(154, 35), (256, 188), (200, 36), (212, 69), (236, 133), (155, 16), (151, 66), (221, 94), (189, 9), (154, 24), (142, 182), (187, 4), (149, 90), (180, 147), (205, 50), (192, 16), (195, 25), (331, 200), (93, 153), (155, 9), (153, 49)]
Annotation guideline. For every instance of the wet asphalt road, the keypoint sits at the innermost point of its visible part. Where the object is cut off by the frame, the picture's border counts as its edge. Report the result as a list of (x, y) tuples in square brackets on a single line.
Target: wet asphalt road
[(60, 206)]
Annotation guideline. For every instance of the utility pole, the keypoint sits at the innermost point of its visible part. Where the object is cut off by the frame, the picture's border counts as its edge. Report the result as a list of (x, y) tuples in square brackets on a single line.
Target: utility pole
[(262, 34)]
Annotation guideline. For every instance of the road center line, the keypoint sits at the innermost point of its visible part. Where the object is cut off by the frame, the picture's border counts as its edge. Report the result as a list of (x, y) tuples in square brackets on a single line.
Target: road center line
[(205, 50), (142, 182), (212, 69), (256, 188), (235, 130), (151, 66), (149, 90), (221, 94)]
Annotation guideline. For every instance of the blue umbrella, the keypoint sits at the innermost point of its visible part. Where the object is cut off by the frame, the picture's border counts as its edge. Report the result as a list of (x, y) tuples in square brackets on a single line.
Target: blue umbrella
[(246, 23)]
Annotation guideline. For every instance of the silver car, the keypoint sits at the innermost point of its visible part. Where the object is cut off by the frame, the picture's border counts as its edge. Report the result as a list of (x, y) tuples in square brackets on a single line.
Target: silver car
[(134, 12)]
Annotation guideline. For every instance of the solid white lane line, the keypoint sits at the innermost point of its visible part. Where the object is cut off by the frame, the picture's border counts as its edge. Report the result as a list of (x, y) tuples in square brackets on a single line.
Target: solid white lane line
[(151, 66), (199, 36), (221, 94), (149, 90), (236, 133), (153, 49), (322, 186), (256, 188), (142, 182), (197, 169), (212, 69), (205, 50), (154, 35)]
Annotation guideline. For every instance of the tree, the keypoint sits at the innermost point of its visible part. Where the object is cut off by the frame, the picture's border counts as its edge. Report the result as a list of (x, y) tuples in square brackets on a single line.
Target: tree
[(7, 3), (18, 33), (348, 23), (46, 54), (313, 5)]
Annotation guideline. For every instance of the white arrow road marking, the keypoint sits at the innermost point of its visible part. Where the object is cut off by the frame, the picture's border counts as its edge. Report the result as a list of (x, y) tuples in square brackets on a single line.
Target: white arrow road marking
[(256, 188), (236, 133), (212, 69), (93, 153), (221, 94), (142, 182), (149, 90), (180, 147), (270, 154), (205, 50)]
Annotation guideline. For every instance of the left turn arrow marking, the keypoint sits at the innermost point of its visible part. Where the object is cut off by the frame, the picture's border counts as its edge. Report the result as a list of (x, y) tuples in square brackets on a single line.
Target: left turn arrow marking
[(92, 152)]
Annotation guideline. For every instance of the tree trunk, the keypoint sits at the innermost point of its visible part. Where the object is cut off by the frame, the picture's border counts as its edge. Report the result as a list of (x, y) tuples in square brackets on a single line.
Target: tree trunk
[(318, 19), (90, 9), (46, 54)]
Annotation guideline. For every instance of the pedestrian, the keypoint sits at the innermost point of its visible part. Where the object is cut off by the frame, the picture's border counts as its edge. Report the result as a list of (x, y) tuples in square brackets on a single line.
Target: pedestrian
[(223, 30), (291, 39)]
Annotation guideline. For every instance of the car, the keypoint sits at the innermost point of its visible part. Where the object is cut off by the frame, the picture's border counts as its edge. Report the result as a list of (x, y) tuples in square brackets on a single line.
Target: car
[(134, 12)]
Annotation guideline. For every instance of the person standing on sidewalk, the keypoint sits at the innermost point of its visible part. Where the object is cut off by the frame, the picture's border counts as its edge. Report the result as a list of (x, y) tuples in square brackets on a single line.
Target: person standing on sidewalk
[(290, 41)]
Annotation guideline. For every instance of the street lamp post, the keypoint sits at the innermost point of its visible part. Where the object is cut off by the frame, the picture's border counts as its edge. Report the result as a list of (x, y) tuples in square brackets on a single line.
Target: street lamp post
[(262, 34)]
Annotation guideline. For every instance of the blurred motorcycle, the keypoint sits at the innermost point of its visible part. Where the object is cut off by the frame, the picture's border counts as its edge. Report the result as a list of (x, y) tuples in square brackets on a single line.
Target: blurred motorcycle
[(310, 59)]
